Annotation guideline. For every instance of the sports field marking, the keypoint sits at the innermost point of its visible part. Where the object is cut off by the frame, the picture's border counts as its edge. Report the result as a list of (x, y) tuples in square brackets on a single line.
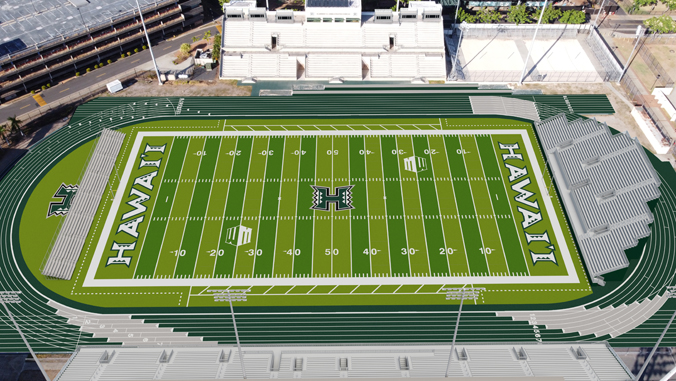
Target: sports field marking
[(413, 212)]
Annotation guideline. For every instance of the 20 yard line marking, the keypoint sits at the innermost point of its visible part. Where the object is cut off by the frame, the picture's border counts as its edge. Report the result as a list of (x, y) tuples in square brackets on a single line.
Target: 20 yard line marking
[(441, 222), (455, 201)]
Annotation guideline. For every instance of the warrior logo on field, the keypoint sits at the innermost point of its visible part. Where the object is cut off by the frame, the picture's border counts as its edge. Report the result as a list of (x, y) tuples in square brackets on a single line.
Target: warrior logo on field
[(60, 208), (321, 198)]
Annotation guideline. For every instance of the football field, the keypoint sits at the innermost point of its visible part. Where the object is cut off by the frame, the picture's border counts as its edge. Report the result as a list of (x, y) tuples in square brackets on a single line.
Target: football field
[(386, 207)]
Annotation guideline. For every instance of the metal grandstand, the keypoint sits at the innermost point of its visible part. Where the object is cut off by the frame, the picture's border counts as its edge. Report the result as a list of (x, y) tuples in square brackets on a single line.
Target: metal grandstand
[(605, 182), (71, 239)]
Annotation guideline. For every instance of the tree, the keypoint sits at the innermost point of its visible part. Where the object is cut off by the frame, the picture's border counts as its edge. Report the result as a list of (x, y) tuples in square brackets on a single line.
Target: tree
[(185, 48), (671, 4), (643, 3), (661, 24), (573, 17), (464, 16), (550, 15), (207, 35), (221, 2), (3, 133), (488, 16), (518, 14), (15, 124), (195, 38), (216, 54)]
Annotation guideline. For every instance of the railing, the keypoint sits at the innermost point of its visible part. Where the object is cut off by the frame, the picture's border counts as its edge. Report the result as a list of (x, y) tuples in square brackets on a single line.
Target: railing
[(112, 44)]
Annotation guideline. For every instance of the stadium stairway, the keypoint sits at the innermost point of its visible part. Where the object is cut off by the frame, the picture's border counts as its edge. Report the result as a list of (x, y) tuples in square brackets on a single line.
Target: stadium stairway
[(120, 328)]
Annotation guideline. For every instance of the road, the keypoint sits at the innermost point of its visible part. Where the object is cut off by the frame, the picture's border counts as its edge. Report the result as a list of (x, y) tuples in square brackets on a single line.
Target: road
[(107, 74)]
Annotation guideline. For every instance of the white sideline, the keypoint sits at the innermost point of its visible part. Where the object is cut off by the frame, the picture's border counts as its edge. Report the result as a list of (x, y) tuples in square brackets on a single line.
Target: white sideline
[(571, 277)]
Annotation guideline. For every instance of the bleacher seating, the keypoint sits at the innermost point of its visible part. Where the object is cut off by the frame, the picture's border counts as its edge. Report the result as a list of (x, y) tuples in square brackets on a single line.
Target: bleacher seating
[(605, 181), (493, 105), (333, 65), (71, 238), (323, 362)]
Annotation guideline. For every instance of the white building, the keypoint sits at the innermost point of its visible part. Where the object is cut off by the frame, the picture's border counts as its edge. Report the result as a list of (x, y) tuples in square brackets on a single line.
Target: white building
[(333, 40)]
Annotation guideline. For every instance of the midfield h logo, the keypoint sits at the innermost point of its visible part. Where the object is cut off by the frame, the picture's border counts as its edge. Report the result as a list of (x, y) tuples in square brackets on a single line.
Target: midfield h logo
[(321, 198)]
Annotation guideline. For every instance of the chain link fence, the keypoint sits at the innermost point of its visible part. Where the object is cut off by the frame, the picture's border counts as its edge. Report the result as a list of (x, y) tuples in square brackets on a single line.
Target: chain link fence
[(662, 78)]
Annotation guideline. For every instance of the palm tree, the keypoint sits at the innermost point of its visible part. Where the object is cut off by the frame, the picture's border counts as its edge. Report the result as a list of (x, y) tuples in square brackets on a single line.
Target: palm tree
[(3, 130), (15, 124)]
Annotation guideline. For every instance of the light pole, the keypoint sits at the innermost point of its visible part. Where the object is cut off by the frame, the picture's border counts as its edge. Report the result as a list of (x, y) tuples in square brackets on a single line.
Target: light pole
[(12, 297), (459, 294), (598, 14), (152, 56), (639, 34), (532, 44), (233, 296), (671, 294)]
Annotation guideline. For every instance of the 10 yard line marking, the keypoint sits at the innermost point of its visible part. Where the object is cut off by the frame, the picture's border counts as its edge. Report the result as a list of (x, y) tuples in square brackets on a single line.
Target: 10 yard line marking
[(173, 201), (153, 207), (178, 256), (225, 207), (504, 253)]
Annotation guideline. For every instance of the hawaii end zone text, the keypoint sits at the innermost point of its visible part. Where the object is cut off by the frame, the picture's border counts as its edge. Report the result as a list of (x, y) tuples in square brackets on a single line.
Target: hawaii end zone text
[(327, 208)]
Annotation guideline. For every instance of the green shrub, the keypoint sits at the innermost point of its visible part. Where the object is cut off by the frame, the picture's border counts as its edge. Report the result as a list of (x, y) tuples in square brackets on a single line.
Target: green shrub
[(44, 87), (661, 24), (466, 16), (573, 17), (49, 85), (185, 48), (128, 54), (96, 66), (518, 14), (122, 55), (32, 91), (109, 62), (88, 70), (136, 50), (144, 47), (77, 73)]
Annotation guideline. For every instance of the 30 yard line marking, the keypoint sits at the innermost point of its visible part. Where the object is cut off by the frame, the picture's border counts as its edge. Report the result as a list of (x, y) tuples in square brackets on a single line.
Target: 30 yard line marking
[(197, 175), (422, 212), (495, 220), (206, 211), (173, 201), (403, 207), (138, 259), (225, 204), (436, 190)]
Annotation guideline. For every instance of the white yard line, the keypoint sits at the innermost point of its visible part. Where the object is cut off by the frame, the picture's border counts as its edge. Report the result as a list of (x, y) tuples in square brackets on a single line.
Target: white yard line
[(403, 208), (349, 212), (260, 208), (225, 206), (173, 201), (422, 213), (246, 185), (295, 223), (279, 196), (488, 189), (138, 258), (516, 227), (314, 215), (441, 221), (368, 212), (455, 200), (199, 246), (187, 218), (476, 216), (387, 221)]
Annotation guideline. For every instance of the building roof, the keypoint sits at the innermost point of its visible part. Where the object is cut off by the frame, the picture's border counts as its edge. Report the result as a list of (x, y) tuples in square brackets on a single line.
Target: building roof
[(26, 24)]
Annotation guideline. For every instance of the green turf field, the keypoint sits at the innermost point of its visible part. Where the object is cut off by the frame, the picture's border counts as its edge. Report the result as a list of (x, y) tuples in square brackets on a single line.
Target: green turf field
[(430, 203)]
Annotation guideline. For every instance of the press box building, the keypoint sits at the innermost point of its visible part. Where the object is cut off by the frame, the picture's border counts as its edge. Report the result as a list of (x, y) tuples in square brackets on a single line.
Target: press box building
[(333, 40)]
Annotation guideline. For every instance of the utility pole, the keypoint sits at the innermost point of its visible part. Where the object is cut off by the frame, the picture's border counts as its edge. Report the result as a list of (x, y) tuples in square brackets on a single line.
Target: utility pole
[(532, 44), (152, 56), (12, 297), (230, 296)]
